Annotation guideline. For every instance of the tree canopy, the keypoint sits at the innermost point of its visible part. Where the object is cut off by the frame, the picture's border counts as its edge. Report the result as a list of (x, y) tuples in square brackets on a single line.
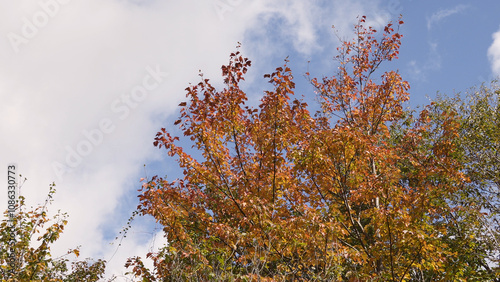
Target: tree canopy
[(25, 242), (360, 190)]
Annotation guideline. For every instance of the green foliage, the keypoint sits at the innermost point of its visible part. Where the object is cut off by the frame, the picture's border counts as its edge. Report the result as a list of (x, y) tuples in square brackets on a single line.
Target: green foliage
[(25, 242), (87, 270), (474, 229)]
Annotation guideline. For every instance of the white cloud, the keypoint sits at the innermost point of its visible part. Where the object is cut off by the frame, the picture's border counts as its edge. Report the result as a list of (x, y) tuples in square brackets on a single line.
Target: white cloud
[(444, 13), (68, 76), (494, 53), (302, 23)]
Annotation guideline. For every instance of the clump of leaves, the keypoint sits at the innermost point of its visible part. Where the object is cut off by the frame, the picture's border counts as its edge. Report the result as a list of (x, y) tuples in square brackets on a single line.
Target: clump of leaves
[(476, 238), (25, 241)]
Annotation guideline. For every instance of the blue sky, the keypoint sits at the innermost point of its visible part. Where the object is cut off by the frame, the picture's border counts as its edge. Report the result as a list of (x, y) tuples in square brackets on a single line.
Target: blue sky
[(86, 84), (446, 45)]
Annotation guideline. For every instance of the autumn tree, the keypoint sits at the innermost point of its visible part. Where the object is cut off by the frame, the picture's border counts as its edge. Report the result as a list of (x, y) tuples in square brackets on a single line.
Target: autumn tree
[(25, 242), (360, 190)]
